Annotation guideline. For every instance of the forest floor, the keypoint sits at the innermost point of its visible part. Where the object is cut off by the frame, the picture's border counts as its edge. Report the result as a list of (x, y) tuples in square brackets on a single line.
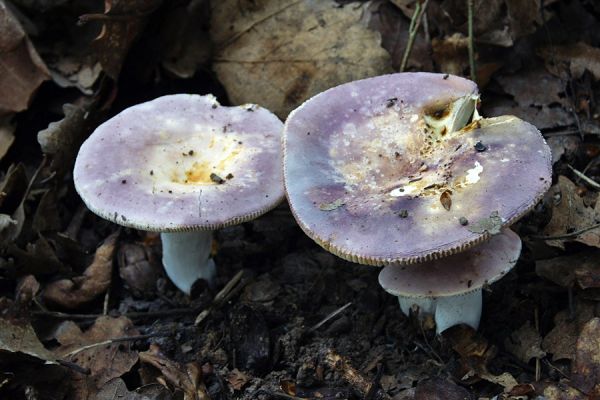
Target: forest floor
[(86, 311)]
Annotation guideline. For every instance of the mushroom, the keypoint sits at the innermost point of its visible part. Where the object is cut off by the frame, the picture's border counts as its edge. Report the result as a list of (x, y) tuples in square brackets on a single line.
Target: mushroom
[(400, 169), (450, 288), (184, 166)]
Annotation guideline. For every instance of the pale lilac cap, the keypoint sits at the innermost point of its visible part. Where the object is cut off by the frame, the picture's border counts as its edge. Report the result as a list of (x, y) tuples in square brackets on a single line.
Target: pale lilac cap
[(391, 170), (456, 274), (182, 162)]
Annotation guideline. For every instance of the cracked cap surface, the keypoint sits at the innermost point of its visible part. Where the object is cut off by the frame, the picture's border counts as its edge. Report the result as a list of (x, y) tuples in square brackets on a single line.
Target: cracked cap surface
[(388, 170)]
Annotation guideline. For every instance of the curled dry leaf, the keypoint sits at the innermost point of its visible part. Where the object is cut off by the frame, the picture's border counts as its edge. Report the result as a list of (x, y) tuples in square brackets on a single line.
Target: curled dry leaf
[(561, 340), (63, 138), (19, 337), (525, 343), (237, 379), (578, 58), (21, 68), (277, 53), (7, 135), (138, 269), (123, 21), (13, 191), (586, 371), (116, 389), (186, 378), (440, 389), (386, 19), (570, 214), (73, 293), (105, 361)]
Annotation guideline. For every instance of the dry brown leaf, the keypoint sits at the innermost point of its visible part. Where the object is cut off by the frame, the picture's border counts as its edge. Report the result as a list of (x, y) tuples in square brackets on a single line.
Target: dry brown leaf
[(451, 53), (138, 269), (562, 339), (440, 389), (188, 44), (123, 21), (570, 214), (63, 138), (525, 343), (277, 53), (39, 258), (19, 337), (7, 135), (187, 378), (393, 27), (21, 68), (73, 293), (27, 289), (117, 390), (106, 361), (578, 57), (237, 379), (13, 190), (586, 371), (580, 267)]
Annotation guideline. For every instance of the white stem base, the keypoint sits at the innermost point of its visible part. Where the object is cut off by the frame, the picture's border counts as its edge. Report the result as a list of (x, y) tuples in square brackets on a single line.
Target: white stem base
[(186, 258), (448, 311)]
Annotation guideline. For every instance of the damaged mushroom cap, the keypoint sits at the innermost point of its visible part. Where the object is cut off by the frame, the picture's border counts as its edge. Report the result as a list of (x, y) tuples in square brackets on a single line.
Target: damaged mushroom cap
[(182, 162), (457, 274), (390, 170)]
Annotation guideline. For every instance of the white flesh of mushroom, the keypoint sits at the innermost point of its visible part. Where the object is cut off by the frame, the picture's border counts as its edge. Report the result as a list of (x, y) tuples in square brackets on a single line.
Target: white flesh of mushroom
[(186, 258), (448, 311)]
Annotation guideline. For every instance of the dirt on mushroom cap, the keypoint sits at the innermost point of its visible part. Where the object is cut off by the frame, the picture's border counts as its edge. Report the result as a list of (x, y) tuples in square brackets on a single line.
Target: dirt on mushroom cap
[(387, 166)]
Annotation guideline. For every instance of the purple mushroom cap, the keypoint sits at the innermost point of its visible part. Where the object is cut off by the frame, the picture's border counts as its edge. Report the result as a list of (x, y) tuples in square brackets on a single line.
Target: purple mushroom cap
[(182, 162), (456, 274), (388, 170)]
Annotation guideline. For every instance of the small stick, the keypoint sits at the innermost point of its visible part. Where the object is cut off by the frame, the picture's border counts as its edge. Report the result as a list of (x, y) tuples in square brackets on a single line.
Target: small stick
[(327, 318), (111, 341), (220, 297), (351, 375), (470, 43), (566, 235), (131, 315), (413, 28), (587, 179), (74, 367)]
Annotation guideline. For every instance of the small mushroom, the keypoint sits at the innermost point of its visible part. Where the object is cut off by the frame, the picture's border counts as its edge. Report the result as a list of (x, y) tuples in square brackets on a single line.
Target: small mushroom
[(158, 166), (450, 288)]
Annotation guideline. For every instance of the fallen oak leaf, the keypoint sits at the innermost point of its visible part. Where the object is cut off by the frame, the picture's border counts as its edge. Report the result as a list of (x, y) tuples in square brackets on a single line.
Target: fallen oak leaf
[(19, 337), (73, 293), (123, 20), (116, 389), (187, 378), (281, 52), (21, 68), (586, 371), (91, 349)]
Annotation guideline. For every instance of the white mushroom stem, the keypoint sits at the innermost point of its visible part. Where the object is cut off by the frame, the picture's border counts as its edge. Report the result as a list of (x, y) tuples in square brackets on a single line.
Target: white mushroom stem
[(448, 311), (186, 258)]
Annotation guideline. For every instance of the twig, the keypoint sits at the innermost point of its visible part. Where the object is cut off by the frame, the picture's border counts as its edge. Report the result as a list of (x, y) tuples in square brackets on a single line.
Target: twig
[(74, 367), (112, 341), (587, 179), (415, 23), (220, 297), (327, 318), (351, 375), (470, 43), (566, 235), (131, 315)]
